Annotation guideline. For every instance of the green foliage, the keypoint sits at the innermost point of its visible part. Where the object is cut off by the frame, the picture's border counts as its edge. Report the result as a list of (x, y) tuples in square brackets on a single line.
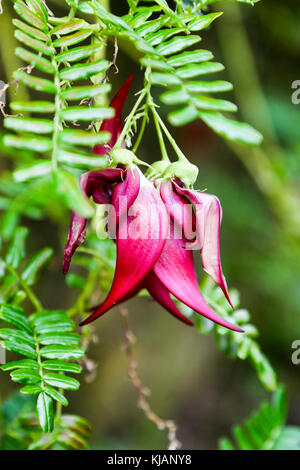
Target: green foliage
[(170, 63), (47, 135), (46, 339), (236, 345), (20, 428), (265, 429)]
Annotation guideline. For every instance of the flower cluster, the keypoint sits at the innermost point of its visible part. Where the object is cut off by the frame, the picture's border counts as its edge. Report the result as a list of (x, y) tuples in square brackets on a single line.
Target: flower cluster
[(156, 224)]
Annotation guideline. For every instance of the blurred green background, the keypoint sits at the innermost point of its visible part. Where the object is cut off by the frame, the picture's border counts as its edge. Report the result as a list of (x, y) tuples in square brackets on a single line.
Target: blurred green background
[(190, 380)]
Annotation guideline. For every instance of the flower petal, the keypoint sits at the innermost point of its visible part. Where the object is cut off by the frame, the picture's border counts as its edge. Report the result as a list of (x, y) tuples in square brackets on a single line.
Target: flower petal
[(94, 183), (175, 269), (208, 218), (179, 208), (141, 236), (161, 294), (114, 125)]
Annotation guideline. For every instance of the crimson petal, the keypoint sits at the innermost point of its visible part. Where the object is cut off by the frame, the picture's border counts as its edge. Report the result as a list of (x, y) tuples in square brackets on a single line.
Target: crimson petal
[(96, 183), (114, 125), (175, 269), (161, 294), (137, 248), (208, 218)]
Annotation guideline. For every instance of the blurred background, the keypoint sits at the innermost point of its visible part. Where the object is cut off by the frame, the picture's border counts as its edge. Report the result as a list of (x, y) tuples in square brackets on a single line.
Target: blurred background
[(191, 381)]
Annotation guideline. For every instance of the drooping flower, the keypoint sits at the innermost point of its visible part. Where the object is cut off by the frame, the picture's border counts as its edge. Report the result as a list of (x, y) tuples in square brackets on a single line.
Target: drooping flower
[(206, 218), (146, 256)]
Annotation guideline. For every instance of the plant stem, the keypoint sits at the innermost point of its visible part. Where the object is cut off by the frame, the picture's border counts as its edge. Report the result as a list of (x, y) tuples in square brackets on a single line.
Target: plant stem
[(172, 141), (130, 119), (161, 141), (32, 297)]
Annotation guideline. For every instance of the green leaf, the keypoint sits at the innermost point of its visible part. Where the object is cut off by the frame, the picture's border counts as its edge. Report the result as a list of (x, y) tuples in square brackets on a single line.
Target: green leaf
[(190, 57), (237, 131), (194, 70), (84, 71), (22, 364), (38, 84), (36, 170), (61, 381), (33, 32), (19, 348), (214, 86), (45, 412), (86, 113), (177, 44), (79, 93), (65, 339), (176, 96), (183, 116), (37, 61), (67, 41), (78, 53), (17, 336), (16, 251), (62, 352), (57, 396), (61, 326), (70, 27), (35, 265), (165, 79), (212, 104), (35, 44), (44, 107), (203, 21), (27, 15), (16, 317), (161, 36), (31, 389), (78, 137), (59, 366), (37, 126), (72, 195), (26, 376), (38, 144), (39, 8)]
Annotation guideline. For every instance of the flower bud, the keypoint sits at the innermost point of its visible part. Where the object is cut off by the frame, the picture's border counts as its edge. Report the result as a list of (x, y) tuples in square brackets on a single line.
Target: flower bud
[(185, 171)]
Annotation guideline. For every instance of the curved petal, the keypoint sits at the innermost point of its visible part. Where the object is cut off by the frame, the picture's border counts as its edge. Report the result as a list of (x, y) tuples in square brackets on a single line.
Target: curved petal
[(179, 208), (175, 269), (161, 294), (208, 221), (94, 183), (141, 236), (114, 125)]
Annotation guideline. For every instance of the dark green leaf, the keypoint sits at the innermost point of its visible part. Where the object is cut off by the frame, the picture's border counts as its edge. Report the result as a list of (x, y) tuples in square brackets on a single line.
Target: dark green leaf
[(62, 366), (61, 381), (62, 352), (45, 412), (66, 339)]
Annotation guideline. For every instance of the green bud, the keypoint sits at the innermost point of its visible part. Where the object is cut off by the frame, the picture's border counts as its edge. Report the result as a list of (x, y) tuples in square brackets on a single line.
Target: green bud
[(185, 171), (157, 168), (122, 156)]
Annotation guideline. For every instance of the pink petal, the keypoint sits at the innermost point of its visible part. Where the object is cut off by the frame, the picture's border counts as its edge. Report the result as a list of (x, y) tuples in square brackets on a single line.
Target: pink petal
[(114, 125), (140, 239), (208, 217), (161, 294), (179, 208), (175, 269), (94, 183)]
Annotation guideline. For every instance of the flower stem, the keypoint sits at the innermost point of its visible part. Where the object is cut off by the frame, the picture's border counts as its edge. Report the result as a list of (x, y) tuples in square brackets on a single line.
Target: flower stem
[(179, 153)]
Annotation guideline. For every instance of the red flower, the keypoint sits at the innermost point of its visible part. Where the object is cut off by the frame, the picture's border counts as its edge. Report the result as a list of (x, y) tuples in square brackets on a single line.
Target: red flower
[(148, 256)]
